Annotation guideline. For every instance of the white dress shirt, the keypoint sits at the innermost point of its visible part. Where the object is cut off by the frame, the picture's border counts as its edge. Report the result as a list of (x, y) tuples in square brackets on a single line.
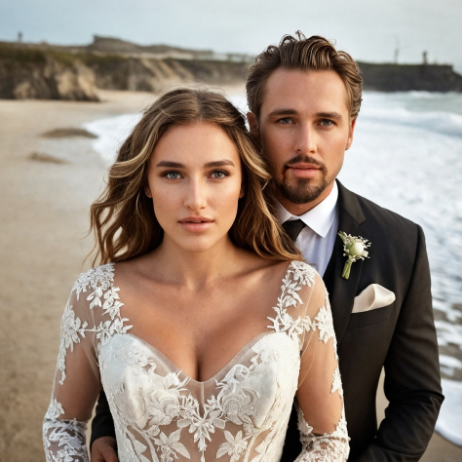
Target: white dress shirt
[(316, 240)]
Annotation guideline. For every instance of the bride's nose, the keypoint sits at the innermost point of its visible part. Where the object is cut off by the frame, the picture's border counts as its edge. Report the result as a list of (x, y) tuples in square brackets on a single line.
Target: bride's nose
[(196, 195)]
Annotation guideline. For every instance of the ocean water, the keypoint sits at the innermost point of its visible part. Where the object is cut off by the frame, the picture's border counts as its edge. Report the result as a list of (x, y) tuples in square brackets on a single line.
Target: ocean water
[(407, 157)]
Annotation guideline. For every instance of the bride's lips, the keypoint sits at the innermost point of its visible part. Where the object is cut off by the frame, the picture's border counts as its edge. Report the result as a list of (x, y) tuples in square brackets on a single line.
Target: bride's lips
[(196, 224), (303, 170)]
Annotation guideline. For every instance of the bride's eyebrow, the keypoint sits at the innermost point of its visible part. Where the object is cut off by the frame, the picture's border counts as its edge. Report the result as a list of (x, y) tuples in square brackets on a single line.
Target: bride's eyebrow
[(168, 163), (217, 163)]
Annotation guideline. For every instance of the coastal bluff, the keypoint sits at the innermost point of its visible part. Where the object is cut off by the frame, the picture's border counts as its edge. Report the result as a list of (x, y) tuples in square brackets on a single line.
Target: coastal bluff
[(43, 71), (34, 74), (410, 77)]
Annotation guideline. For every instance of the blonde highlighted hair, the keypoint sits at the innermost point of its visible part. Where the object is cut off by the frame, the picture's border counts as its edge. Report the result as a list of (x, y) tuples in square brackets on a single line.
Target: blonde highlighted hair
[(123, 218)]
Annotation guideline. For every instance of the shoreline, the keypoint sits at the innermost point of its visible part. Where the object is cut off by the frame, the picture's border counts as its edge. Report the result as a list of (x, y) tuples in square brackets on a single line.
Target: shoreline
[(44, 208)]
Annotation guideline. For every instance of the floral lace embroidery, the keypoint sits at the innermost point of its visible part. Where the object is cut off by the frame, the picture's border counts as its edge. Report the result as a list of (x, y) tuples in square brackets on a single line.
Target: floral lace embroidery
[(337, 383), (170, 446), (54, 410), (319, 448), (161, 401), (164, 399), (64, 440), (299, 274), (323, 322), (72, 328)]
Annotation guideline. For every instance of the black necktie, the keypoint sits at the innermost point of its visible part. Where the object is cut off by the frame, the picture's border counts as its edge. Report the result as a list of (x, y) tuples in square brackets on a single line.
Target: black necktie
[(293, 228)]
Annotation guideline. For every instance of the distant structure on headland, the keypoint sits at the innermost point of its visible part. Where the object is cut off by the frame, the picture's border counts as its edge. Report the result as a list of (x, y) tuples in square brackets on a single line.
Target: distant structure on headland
[(410, 77), (44, 71), (111, 45), (114, 45)]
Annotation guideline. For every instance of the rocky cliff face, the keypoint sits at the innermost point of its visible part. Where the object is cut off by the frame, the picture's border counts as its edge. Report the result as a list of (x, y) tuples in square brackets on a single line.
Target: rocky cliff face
[(149, 74), (37, 75), (424, 77), (134, 74), (31, 72), (75, 73)]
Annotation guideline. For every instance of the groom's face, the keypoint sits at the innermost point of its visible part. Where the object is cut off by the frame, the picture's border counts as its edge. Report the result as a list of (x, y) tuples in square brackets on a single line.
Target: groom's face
[(304, 128)]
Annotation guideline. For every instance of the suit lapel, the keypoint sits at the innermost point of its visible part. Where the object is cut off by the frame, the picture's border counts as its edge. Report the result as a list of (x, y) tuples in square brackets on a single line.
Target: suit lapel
[(343, 291)]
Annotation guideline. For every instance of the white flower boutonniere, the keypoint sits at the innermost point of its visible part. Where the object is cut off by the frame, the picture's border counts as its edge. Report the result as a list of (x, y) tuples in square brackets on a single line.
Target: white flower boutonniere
[(355, 249)]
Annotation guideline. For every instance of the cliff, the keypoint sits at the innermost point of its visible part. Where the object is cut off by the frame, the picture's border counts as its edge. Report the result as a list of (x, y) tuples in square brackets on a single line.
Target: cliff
[(34, 74), (46, 71), (408, 77), (116, 72), (52, 72)]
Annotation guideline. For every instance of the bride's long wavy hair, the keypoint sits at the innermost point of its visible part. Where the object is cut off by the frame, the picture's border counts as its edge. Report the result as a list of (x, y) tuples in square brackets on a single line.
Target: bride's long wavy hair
[(123, 218)]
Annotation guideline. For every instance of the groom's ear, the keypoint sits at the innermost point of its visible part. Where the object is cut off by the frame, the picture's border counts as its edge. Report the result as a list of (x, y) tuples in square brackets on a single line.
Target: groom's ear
[(350, 134), (253, 124)]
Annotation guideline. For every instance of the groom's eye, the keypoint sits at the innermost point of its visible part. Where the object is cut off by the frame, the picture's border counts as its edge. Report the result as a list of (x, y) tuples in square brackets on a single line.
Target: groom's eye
[(326, 122), (285, 120)]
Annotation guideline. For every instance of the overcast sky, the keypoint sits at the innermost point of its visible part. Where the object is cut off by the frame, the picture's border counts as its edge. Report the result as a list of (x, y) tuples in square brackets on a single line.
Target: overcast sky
[(370, 30)]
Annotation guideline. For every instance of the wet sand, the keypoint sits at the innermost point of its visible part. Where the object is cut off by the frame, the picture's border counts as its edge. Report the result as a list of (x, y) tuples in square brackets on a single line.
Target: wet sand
[(44, 204)]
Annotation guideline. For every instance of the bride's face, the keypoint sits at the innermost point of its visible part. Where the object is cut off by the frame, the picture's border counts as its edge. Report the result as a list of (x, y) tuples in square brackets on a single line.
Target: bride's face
[(195, 181)]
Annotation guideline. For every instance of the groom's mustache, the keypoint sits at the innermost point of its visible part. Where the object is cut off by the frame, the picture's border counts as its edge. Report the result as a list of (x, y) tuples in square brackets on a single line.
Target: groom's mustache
[(306, 160)]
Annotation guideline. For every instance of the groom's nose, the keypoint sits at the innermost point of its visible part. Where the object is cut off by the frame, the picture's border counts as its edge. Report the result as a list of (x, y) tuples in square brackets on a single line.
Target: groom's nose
[(305, 139)]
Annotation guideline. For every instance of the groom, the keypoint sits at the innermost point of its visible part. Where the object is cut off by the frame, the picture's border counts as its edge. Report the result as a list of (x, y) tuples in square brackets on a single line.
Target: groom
[(304, 98)]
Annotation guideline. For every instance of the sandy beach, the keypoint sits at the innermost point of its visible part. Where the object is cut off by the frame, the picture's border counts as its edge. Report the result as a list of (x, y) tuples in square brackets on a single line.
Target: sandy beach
[(44, 210)]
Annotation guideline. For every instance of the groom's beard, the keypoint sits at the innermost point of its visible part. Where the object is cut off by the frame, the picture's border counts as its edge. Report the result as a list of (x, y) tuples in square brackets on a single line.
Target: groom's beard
[(304, 190)]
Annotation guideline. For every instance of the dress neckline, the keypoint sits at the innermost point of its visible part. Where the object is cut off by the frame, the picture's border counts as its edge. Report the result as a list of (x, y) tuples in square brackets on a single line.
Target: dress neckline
[(230, 363), (216, 377)]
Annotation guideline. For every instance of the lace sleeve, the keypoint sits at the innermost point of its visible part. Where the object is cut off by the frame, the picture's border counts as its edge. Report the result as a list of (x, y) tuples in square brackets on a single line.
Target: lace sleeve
[(321, 419), (76, 384)]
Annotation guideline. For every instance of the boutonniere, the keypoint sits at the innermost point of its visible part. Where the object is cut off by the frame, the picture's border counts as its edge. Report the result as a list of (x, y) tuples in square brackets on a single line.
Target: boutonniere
[(355, 249)]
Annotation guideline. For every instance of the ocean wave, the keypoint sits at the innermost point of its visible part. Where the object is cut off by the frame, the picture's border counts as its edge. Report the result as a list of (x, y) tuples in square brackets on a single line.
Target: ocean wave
[(111, 133), (450, 418), (437, 121)]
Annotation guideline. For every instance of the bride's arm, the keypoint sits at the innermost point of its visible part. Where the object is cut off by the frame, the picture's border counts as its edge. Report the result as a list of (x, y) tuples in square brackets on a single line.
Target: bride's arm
[(321, 419), (76, 384)]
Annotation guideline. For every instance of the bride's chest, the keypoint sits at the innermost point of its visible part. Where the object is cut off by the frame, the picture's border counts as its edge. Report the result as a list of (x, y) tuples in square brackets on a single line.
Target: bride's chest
[(199, 341), (142, 382)]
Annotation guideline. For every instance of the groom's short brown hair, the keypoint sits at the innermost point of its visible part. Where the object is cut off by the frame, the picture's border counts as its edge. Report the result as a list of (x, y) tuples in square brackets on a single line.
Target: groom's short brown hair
[(314, 53)]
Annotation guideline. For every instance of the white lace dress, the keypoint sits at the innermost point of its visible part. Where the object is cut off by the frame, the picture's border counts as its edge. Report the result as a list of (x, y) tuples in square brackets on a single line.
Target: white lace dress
[(161, 414)]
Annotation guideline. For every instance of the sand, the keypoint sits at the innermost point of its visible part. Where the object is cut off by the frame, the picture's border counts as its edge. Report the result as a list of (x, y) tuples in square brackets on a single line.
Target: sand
[(46, 188)]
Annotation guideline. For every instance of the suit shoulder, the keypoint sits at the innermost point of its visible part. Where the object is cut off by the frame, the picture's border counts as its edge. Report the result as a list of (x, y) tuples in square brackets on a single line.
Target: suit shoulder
[(389, 232), (377, 214)]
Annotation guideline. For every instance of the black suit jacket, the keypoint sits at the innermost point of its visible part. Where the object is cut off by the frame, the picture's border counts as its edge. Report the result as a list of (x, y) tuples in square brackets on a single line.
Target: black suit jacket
[(400, 337)]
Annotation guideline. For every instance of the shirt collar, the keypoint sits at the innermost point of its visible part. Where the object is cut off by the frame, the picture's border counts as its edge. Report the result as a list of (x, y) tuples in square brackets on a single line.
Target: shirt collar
[(320, 218)]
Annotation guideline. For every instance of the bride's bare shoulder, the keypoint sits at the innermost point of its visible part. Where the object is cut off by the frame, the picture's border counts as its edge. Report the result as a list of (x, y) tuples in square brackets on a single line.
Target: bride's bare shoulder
[(135, 268), (268, 271)]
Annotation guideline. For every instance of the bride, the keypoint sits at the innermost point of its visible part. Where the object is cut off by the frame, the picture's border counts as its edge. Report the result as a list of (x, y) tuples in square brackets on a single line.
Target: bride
[(203, 322)]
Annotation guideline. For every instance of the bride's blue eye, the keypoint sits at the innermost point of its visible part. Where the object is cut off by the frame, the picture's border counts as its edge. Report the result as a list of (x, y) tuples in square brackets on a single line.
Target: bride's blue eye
[(219, 174), (171, 175)]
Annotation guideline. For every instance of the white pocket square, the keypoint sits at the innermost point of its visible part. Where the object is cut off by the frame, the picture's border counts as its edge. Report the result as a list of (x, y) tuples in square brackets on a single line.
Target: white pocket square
[(373, 297)]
